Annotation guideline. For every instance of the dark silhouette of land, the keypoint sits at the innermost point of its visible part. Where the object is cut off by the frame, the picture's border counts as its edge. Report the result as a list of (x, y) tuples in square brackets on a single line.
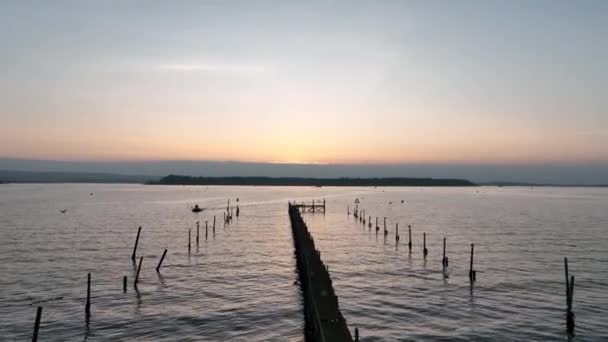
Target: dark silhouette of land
[(296, 181), (12, 176)]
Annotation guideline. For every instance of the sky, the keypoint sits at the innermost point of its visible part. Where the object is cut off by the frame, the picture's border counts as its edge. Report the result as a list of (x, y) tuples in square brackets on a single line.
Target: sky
[(314, 82)]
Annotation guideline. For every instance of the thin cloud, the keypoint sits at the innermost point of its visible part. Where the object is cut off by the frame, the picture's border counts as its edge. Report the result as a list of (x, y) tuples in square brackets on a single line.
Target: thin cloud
[(214, 68)]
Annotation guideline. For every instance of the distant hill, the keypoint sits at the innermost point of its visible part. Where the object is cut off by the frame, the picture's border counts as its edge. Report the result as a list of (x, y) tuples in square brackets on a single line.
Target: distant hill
[(11, 176), (287, 181)]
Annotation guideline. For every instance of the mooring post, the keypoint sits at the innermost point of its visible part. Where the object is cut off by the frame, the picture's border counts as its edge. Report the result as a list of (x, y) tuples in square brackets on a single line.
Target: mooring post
[(161, 260), (356, 334), (37, 324), (213, 222), (238, 211), (207, 231), (425, 251), (124, 284), (385, 224), (197, 226), (136, 242), (224, 219), (377, 223), (472, 275), (369, 223), (409, 232), (141, 259), (189, 233), (87, 307)]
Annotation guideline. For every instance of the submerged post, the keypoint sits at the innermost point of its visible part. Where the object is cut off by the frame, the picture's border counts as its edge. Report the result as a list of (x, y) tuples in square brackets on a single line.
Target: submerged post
[(569, 296), (124, 284), (197, 226), (570, 314), (141, 259), (37, 324), (87, 307), (425, 251), (189, 234), (472, 275), (567, 281), (136, 242), (397, 232), (409, 232), (160, 263)]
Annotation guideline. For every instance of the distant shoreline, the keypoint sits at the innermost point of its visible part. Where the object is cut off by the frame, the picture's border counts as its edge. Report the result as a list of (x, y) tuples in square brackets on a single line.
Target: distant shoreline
[(301, 181)]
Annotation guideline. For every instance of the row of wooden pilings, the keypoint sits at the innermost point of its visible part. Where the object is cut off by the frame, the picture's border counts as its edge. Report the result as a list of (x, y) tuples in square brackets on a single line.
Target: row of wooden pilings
[(323, 320), (360, 216), (228, 216)]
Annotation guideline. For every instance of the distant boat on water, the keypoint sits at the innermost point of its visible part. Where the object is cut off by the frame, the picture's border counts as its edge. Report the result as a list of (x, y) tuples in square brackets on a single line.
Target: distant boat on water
[(197, 209)]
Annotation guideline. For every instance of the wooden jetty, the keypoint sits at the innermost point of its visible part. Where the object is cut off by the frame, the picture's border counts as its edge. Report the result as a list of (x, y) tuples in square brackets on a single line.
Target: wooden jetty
[(318, 207), (323, 320)]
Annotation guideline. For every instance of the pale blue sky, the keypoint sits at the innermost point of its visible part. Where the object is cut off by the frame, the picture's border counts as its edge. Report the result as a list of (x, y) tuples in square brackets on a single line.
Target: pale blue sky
[(493, 82)]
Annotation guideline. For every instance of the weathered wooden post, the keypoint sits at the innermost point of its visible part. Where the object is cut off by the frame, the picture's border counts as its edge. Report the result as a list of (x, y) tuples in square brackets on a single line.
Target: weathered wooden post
[(238, 211), (160, 263), (443, 258), (124, 284), (409, 231), (569, 296), (348, 210), (189, 233), (567, 280), (356, 334), (224, 219), (425, 251), (369, 223), (570, 314), (472, 275), (197, 226), (37, 324), (207, 230), (141, 259), (397, 232), (87, 307), (136, 242), (213, 222)]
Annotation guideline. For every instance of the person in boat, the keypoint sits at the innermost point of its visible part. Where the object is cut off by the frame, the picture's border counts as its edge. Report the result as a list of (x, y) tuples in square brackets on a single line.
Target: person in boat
[(196, 208)]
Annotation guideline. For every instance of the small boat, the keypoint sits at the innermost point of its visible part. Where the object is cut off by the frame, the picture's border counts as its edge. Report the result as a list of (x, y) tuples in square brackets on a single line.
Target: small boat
[(197, 209)]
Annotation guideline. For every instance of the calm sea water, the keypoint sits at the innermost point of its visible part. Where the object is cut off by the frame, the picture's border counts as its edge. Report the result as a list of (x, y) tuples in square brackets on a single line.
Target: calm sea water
[(239, 284)]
